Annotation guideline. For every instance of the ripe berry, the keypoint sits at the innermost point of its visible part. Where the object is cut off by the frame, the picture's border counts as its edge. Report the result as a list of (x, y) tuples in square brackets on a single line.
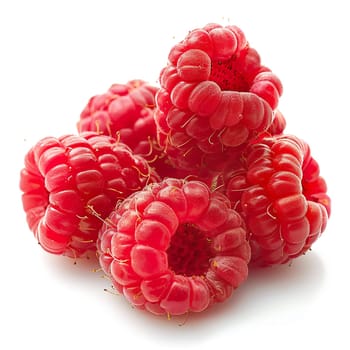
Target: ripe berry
[(174, 247), (125, 112), (215, 95), (70, 183), (281, 195)]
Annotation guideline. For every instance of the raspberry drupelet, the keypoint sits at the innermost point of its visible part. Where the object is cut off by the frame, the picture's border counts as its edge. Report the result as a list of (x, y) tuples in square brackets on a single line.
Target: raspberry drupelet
[(174, 247), (215, 95), (71, 183), (278, 124)]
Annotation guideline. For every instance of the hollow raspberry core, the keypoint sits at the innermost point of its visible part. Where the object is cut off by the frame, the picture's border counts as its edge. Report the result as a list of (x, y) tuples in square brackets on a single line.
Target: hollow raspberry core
[(189, 251), (227, 76)]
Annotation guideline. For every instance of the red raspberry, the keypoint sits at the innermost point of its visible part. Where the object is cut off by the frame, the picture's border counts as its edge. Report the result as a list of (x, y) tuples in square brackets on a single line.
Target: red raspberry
[(125, 112), (174, 247), (281, 195), (215, 95), (68, 181)]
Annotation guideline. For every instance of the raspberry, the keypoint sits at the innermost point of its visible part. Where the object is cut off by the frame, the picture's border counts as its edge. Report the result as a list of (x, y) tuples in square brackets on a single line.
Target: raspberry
[(70, 183), (281, 195), (215, 95), (125, 112), (174, 247)]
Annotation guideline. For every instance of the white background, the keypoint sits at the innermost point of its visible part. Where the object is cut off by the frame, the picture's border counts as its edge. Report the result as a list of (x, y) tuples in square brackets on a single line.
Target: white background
[(54, 55)]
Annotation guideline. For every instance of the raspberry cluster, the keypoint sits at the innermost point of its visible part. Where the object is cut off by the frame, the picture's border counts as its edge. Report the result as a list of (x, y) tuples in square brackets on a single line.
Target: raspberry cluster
[(180, 189)]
